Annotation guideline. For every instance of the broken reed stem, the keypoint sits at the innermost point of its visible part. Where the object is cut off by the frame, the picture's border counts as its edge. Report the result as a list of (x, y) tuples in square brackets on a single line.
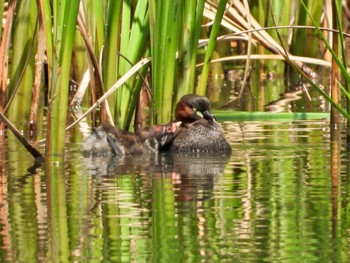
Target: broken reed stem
[(33, 151)]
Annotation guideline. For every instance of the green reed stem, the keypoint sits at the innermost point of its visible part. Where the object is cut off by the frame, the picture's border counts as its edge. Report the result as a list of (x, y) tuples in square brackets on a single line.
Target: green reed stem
[(94, 19), (202, 86), (225, 115), (172, 41), (45, 15), (64, 37), (329, 47), (100, 33), (135, 96), (124, 92), (158, 39), (165, 17), (345, 90), (341, 66), (112, 38), (22, 64), (137, 34), (188, 50)]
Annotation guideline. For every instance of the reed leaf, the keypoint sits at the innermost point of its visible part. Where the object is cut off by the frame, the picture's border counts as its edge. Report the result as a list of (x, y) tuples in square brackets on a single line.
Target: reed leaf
[(235, 20), (125, 26), (164, 28), (201, 89), (1, 15), (111, 43), (311, 46), (64, 23), (4, 51), (116, 85), (188, 48), (96, 81), (45, 15), (137, 34), (96, 24), (345, 90), (225, 115), (338, 61), (21, 72), (172, 41), (328, 45)]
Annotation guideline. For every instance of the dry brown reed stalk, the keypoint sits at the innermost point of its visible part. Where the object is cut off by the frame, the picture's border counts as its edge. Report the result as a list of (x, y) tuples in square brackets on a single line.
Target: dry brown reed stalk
[(335, 115), (307, 60), (5, 43), (4, 48), (97, 86), (236, 20), (31, 149), (249, 51), (39, 69), (112, 89)]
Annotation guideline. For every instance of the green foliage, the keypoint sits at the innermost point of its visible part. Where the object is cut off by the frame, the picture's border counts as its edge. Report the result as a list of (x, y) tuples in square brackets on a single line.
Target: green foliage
[(111, 43), (134, 37), (337, 58), (224, 115), (64, 21), (119, 34), (23, 60), (201, 89), (188, 47), (165, 18)]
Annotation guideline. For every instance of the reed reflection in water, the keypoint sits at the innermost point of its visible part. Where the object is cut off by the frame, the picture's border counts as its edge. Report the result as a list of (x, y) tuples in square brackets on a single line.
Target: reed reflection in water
[(270, 200)]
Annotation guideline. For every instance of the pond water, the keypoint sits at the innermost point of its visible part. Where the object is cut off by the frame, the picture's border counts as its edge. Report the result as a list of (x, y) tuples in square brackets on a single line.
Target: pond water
[(281, 196)]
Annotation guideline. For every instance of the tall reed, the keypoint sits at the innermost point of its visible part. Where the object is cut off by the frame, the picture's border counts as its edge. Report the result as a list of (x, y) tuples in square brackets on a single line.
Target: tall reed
[(116, 35), (135, 33), (21, 70), (64, 21), (164, 21), (201, 89), (111, 43), (188, 47), (337, 58)]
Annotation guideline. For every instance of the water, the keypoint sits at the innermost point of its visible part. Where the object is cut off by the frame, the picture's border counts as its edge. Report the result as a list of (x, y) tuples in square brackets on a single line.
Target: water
[(281, 196)]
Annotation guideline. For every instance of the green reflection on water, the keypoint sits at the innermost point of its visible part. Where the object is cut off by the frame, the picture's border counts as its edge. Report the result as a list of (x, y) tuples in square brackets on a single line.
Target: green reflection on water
[(271, 200)]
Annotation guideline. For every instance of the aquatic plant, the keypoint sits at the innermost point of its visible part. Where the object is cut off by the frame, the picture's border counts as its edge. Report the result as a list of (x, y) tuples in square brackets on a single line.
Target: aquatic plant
[(59, 53)]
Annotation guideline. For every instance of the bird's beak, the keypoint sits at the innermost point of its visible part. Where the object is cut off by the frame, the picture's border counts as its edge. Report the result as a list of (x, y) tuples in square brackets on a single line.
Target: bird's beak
[(208, 116)]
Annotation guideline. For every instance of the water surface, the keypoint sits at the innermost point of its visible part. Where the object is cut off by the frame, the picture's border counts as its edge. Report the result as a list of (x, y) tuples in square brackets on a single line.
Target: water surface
[(281, 196)]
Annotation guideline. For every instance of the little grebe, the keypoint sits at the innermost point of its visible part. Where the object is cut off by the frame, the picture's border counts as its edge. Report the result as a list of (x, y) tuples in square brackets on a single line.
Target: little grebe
[(198, 133), (108, 139)]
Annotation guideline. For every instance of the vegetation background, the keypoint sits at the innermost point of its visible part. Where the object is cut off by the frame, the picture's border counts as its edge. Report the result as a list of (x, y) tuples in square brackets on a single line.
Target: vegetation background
[(60, 59), (63, 54)]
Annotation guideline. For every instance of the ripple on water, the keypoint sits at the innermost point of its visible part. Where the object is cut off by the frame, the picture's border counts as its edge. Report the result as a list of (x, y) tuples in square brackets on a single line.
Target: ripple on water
[(270, 200)]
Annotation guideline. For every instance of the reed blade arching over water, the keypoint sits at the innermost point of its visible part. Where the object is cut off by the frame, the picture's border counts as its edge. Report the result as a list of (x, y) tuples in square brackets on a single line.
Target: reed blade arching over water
[(107, 38)]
